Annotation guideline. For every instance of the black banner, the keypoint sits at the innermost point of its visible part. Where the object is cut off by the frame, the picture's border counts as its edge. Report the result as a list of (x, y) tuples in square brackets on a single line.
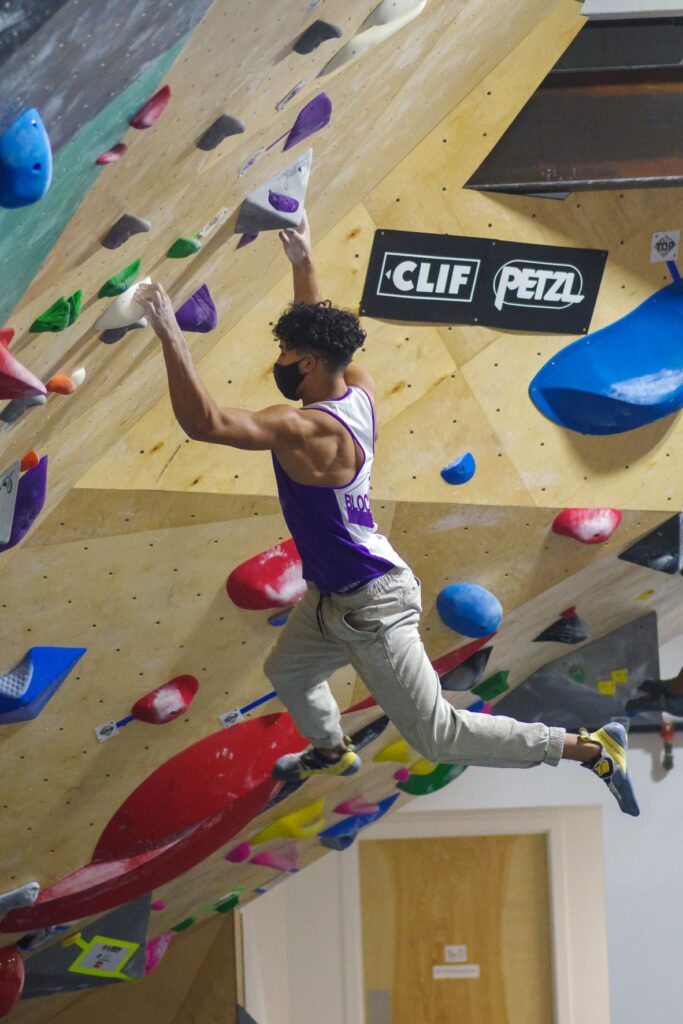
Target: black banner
[(452, 279)]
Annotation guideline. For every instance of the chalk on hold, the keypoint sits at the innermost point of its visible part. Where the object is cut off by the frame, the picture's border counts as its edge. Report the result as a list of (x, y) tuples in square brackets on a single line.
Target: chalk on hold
[(422, 785), (491, 687), (315, 115), (166, 702), (186, 245), (199, 313), (568, 629), (587, 525), (124, 310), (54, 319), (281, 858), (121, 282), (25, 161), (239, 853), (16, 381), (257, 213), (356, 805), (24, 896), (247, 239), (113, 155), (372, 36), (31, 494), (26, 689), (222, 128), (302, 824), (271, 579), (155, 950), (391, 10), (469, 609), (11, 978), (78, 376), (124, 228), (466, 675), (661, 550), (152, 110), (61, 384), (316, 34), (461, 470), (115, 334)]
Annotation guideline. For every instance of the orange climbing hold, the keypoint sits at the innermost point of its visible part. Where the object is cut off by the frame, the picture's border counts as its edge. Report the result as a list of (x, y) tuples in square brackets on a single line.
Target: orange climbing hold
[(29, 461), (150, 113), (61, 384)]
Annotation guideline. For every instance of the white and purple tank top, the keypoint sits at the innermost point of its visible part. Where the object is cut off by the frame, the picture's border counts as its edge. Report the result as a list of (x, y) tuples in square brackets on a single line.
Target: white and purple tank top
[(333, 527)]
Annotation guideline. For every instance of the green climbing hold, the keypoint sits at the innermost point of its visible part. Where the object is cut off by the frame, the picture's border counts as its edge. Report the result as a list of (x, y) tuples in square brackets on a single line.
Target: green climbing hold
[(577, 674), (120, 282), (224, 906), (56, 318), (74, 302), (493, 686), (184, 246), (187, 923), (421, 785)]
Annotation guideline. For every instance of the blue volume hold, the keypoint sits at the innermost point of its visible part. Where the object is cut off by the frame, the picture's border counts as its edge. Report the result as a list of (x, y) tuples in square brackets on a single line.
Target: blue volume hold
[(26, 689), (460, 471), (469, 609), (25, 161), (341, 835), (622, 377)]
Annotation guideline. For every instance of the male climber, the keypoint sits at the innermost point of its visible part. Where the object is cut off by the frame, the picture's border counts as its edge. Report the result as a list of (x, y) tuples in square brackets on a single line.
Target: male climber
[(362, 606)]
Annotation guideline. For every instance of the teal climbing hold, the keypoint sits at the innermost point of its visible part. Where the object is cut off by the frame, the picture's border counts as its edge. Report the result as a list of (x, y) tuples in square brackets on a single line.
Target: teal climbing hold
[(119, 283), (26, 689), (25, 161)]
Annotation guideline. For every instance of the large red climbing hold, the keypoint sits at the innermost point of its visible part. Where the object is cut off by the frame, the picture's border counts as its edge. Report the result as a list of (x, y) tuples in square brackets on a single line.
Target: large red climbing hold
[(166, 702), (153, 109), (587, 525), (11, 978), (272, 579), (15, 380)]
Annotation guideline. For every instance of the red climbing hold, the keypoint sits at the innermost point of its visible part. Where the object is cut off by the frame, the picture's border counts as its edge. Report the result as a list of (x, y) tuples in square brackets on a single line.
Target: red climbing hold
[(29, 461), (166, 702), (271, 579), (15, 380), (11, 978), (113, 155), (587, 525), (153, 109)]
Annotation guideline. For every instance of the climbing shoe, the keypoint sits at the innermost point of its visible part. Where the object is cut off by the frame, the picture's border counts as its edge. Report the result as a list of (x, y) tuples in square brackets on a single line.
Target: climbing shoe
[(310, 762), (610, 764)]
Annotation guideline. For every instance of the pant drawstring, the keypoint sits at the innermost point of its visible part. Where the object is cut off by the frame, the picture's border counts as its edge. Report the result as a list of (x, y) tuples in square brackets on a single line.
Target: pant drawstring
[(319, 613)]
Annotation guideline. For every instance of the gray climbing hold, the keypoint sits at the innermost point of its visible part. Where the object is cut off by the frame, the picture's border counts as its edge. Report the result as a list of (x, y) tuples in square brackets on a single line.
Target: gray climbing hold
[(257, 212), (18, 406), (25, 896), (125, 228), (9, 482), (115, 334), (221, 129), (317, 33)]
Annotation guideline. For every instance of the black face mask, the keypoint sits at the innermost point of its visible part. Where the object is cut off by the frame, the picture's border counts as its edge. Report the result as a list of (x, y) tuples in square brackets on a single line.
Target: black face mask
[(288, 378)]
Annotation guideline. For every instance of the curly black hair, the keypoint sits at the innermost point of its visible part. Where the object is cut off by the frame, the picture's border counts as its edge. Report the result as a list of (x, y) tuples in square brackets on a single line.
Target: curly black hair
[(325, 330)]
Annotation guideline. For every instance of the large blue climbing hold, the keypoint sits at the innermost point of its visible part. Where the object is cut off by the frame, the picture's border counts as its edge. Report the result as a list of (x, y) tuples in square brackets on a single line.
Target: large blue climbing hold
[(460, 471), (341, 835), (26, 689), (469, 609), (624, 376), (25, 161)]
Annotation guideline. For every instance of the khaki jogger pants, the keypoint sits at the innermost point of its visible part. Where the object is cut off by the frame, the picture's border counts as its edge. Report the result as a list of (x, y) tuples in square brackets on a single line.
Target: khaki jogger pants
[(375, 629)]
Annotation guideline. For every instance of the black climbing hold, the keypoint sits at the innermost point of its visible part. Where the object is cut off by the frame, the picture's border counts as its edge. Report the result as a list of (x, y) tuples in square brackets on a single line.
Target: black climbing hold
[(287, 790), (370, 732), (566, 630), (317, 33), (661, 549), (115, 334), (222, 128), (467, 675), (124, 228)]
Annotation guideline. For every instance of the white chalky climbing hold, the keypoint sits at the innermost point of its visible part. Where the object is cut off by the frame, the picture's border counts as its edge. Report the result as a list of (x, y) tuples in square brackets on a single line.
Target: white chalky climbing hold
[(25, 896), (78, 376), (370, 38), (392, 10), (124, 310)]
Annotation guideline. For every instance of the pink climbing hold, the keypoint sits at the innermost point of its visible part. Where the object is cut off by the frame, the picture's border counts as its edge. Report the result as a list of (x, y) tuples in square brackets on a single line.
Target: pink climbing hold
[(587, 525), (356, 805), (239, 854), (281, 858), (150, 113), (113, 155), (166, 702), (159, 905), (402, 774), (11, 978), (15, 380), (155, 950), (271, 579)]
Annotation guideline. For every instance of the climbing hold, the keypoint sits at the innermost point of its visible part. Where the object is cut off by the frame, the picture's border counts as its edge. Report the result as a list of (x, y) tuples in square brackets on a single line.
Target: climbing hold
[(356, 805), (24, 896), (226, 905), (186, 245), (422, 785), (18, 406), (247, 239), (15, 380), (150, 113), (223, 127), (422, 767), (120, 282), (302, 824), (31, 494), (78, 376), (184, 925), (645, 596), (281, 104), (11, 978), (257, 213), (282, 203), (390, 10), (469, 609), (460, 471), (54, 319), (28, 461), (661, 550), (282, 858), (155, 950), (9, 485), (272, 579), (466, 675), (368, 733), (401, 774), (166, 702), (113, 155), (124, 310), (199, 313), (399, 750), (123, 229), (239, 853), (26, 689), (315, 115), (61, 384), (280, 618), (317, 33), (619, 378), (588, 525), (25, 161), (568, 629), (373, 35), (158, 905), (115, 334), (342, 834), (490, 688), (74, 302)]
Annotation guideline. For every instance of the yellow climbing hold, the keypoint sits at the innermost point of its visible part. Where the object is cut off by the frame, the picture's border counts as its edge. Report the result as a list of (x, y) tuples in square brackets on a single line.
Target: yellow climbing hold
[(422, 767), (607, 687), (646, 594), (397, 751), (620, 675), (301, 824)]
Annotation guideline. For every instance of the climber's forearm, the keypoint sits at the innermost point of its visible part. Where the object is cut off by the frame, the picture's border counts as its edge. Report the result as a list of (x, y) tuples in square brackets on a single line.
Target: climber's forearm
[(306, 285), (193, 406)]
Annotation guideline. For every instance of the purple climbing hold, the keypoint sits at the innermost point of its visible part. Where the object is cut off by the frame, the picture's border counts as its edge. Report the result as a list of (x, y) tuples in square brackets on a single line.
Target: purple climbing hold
[(314, 116), (247, 239), (31, 494), (283, 203), (198, 313)]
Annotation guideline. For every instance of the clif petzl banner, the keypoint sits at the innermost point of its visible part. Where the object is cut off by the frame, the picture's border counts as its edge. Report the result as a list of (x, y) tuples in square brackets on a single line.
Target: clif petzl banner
[(452, 279)]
